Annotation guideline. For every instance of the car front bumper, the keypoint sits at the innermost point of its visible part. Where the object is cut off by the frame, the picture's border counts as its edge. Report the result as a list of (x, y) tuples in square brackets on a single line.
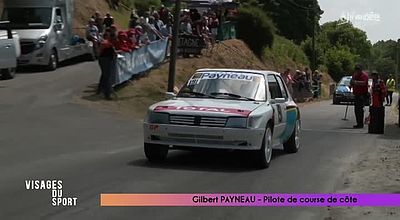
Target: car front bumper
[(204, 137)]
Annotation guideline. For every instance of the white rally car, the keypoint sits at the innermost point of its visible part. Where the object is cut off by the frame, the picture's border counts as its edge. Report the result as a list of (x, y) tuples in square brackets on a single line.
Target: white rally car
[(225, 109)]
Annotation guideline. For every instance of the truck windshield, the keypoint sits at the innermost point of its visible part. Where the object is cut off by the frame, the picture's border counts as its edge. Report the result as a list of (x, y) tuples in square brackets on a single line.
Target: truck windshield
[(28, 18)]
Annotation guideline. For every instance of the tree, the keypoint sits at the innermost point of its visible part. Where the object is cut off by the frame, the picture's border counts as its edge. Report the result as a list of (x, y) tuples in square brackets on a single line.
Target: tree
[(255, 29), (293, 18), (340, 62), (343, 33)]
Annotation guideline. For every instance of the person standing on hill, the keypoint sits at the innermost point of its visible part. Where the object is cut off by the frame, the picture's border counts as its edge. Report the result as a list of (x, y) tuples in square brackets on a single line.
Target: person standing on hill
[(98, 21), (108, 20), (359, 83), (391, 88)]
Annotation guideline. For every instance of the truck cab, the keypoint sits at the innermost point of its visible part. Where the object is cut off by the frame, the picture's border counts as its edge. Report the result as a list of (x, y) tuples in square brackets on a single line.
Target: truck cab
[(45, 30), (9, 50)]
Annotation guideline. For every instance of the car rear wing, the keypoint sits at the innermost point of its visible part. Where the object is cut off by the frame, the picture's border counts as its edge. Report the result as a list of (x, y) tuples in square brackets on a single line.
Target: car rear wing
[(5, 25)]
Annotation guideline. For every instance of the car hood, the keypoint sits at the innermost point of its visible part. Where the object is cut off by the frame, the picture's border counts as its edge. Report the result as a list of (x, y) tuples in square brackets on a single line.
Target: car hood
[(208, 107), (31, 34), (343, 89)]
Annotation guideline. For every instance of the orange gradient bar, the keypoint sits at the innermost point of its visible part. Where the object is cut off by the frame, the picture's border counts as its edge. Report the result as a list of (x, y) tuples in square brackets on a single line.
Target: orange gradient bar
[(123, 200)]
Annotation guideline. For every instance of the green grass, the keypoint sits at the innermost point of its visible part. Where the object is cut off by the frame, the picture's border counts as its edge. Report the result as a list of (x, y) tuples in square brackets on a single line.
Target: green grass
[(122, 17), (284, 53)]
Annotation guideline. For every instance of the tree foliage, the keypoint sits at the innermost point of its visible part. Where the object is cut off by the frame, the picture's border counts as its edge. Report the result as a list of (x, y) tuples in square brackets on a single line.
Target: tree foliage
[(293, 18), (255, 29), (340, 62), (383, 58)]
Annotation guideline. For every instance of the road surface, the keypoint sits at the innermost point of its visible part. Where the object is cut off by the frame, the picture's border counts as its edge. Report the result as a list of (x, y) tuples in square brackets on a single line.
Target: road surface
[(44, 134)]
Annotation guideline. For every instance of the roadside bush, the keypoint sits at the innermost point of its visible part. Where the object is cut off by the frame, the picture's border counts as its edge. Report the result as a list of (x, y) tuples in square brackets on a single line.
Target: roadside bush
[(255, 28), (340, 62), (284, 52)]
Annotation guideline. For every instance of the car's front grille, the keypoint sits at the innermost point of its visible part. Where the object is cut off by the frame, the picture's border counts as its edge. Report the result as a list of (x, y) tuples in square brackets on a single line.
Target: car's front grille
[(197, 121), (27, 47), (182, 120)]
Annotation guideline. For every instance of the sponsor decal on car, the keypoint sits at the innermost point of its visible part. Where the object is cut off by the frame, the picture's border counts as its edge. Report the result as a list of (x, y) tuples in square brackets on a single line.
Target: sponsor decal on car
[(203, 109), (197, 78)]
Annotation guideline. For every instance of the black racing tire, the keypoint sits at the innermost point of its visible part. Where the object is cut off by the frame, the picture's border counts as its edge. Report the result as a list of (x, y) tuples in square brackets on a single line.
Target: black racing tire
[(335, 101), (156, 152), (264, 155), (8, 73), (53, 61), (293, 144)]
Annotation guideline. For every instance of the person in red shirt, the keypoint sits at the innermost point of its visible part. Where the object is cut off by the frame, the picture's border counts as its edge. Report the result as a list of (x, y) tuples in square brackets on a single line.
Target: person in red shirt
[(359, 83), (122, 42), (379, 91)]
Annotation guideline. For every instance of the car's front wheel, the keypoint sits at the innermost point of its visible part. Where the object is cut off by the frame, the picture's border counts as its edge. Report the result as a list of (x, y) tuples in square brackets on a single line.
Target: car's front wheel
[(156, 152), (293, 144), (8, 73), (264, 155)]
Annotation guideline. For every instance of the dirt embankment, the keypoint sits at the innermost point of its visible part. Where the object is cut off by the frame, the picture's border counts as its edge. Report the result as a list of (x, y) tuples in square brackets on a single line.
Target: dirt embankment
[(135, 97), (138, 95)]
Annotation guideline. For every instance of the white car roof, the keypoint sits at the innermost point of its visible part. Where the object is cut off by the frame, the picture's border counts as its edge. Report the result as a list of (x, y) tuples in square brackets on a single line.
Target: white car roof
[(264, 72)]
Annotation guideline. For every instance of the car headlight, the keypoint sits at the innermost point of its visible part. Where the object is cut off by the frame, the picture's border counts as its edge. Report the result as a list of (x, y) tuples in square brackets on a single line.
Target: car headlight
[(236, 122), (42, 41), (158, 118)]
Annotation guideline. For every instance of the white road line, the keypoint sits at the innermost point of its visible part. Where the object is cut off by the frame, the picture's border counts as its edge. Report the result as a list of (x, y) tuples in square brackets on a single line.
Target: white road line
[(341, 131)]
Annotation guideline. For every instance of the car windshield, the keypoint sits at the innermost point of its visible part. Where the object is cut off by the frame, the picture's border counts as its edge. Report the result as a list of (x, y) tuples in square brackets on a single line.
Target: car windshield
[(28, 18), (345, 81), (225, 85)]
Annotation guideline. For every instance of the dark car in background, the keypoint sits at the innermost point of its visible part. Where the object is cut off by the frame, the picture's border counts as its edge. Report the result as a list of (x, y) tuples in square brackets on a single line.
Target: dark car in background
[(344, 94)]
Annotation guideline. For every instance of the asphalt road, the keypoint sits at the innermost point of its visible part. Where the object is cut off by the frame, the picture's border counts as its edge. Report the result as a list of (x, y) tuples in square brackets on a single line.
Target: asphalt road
[(44, 134)]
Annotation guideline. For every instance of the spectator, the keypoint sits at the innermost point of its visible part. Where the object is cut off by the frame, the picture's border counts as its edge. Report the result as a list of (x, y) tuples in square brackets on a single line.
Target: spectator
[(307, 78), (122, 44), (158, 24), (195, 17), (299, 80), (359, 82), (287, 77), (99, 21), (164, 14), (186, 27), (108, 20), (107, 62), (133, 22), (391, 87), (92, 34), (213, 25)]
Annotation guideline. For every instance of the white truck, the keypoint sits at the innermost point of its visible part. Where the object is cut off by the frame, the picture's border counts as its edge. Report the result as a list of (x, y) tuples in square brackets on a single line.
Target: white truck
[(9, 51), (45, 31)]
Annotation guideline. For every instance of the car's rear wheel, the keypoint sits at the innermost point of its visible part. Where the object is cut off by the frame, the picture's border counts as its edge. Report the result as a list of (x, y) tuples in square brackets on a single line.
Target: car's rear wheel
[(8, 73), (156, 152), (293, 144), (264, 155)]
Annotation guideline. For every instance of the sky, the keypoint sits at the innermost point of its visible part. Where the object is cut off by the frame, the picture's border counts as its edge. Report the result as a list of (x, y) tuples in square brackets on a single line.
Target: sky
[(379, 18)]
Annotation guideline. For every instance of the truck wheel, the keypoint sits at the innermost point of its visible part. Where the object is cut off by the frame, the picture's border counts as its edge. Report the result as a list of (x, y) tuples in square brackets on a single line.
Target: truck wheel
[(264, 155), (53, 61), (293, 144), (8, 73), (155, 152)]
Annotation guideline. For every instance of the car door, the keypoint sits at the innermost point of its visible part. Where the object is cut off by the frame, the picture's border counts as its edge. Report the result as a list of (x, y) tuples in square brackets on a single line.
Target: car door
[(61, 36), (278, 100), (8, 57)]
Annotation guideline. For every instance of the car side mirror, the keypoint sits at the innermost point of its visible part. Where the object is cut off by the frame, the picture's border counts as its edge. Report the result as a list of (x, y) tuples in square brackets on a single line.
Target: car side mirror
[(278, 101), (170, 95), (58, 26)]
